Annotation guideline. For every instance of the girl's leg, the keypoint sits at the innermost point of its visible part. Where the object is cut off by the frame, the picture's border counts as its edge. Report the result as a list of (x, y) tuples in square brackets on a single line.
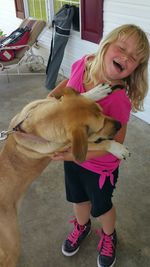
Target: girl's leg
[(108, 221), (107, 244), (82, 227), (82, 212)]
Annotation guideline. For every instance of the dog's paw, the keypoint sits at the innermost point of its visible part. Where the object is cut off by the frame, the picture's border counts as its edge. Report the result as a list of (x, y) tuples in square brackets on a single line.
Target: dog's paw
[(98, 92), (125, 153), (119, 150)]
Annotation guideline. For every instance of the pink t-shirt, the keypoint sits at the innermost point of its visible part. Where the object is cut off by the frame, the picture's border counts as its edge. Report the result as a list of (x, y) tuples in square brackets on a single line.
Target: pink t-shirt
[(116, 105)]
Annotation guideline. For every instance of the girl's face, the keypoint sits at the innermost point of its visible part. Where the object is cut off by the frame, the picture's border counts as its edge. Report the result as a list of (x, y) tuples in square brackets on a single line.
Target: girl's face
[(120, 59)]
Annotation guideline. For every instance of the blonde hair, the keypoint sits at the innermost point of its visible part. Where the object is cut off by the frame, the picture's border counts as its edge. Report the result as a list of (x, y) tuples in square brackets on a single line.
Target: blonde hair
[(138, 81)]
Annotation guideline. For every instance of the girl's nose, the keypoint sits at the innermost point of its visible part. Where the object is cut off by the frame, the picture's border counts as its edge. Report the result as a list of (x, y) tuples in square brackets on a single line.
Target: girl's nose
[(125, 57)]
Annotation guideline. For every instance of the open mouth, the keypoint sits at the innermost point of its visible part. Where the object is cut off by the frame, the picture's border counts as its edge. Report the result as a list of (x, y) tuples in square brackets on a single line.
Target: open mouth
[(99, 140), (118, 66)]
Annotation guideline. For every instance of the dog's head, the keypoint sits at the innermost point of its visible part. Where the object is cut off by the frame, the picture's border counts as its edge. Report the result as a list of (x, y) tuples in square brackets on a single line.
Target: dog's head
[(49, 125)]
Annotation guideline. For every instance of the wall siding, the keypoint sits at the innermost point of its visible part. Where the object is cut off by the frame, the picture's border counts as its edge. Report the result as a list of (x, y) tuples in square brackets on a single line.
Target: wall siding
[(129, 11), (8, 20), (116, 12)]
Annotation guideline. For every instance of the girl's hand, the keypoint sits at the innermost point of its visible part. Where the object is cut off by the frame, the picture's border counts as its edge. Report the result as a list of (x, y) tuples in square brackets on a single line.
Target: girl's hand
[(65, 156)]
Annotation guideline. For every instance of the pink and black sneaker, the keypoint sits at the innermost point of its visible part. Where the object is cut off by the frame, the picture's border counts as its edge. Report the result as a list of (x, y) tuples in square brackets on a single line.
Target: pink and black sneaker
[(107, 250), (72, 244)]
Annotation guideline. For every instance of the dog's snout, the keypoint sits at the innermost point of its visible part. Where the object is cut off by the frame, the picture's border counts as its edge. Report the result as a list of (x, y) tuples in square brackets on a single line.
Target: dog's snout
[(117, 125)]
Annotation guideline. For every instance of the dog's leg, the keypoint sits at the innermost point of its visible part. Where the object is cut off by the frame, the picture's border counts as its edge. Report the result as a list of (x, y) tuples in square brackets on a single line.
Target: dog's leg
[(111, 146), (9, 240), (98, 92)]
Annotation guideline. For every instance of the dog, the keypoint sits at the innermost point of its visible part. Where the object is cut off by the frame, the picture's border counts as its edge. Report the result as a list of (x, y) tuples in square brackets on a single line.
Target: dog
[(42, 128)]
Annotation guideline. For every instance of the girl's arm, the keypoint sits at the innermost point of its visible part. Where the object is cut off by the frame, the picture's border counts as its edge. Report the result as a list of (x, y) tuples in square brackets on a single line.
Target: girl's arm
[(67, 155), (119, 137)]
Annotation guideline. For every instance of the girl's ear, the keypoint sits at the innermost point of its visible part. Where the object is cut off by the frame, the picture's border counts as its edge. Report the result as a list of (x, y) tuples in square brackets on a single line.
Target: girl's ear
[(80, 143)]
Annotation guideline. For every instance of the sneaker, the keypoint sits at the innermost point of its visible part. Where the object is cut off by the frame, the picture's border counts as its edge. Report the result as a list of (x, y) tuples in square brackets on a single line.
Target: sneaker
[(74, 239), (107, 248)]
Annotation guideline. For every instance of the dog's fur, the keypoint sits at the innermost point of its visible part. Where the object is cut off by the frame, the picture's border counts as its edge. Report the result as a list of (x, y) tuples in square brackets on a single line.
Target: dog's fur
[(40, 129)]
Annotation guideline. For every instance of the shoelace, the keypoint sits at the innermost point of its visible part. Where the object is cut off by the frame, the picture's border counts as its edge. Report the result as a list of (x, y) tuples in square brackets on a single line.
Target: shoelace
[(105, 244), (77, 231)]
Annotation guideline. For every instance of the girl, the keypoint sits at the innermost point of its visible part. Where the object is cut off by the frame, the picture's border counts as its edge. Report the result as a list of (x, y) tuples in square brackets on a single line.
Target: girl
[(122, 61)]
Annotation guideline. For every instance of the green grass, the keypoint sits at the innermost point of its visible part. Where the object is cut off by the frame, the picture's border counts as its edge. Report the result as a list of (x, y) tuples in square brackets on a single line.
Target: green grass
[(1, 32)]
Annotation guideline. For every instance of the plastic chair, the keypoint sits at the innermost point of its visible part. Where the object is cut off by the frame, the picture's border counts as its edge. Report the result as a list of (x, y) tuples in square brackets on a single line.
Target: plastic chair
[(25, 55)]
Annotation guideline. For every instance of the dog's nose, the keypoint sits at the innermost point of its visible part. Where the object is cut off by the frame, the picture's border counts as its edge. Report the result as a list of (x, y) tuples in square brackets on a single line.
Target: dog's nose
[(117, 125)]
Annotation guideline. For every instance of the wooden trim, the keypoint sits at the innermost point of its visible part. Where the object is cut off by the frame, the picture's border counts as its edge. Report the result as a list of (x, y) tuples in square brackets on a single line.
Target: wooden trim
[(92, 20), (19, 6)]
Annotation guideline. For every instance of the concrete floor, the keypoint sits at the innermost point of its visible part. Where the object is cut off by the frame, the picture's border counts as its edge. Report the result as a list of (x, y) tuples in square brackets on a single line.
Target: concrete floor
[(45, 213)]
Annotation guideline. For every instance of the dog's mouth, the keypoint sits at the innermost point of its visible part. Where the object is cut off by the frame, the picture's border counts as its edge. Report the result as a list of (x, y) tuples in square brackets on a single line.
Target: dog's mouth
[(99, 140)]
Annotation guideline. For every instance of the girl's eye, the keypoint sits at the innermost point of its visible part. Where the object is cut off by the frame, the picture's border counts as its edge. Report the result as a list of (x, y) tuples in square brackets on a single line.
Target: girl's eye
[(133, 58), (122, 48)]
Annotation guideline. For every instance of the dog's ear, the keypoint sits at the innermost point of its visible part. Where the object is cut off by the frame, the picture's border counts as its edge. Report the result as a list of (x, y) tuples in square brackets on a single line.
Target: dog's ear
[(79, 143)]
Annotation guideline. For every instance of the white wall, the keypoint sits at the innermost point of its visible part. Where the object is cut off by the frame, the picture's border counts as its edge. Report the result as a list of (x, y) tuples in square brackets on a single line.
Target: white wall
[(117, 12), (8, 20)]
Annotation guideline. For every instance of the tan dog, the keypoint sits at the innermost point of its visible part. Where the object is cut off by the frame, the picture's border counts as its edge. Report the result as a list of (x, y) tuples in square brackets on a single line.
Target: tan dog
[(39, 130)]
